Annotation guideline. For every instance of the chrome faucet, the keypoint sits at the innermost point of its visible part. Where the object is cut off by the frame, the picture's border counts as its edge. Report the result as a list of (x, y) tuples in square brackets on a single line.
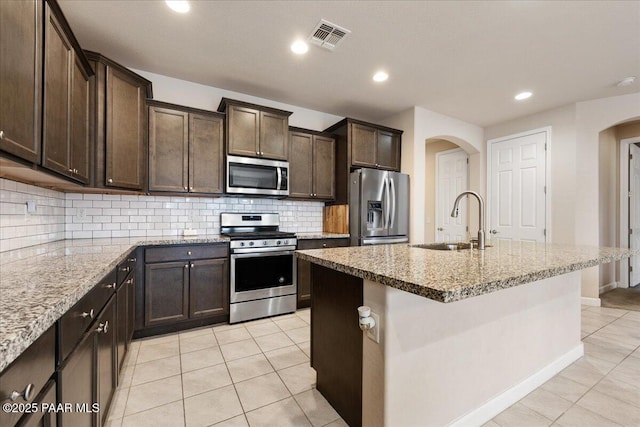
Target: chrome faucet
[(454, 214)]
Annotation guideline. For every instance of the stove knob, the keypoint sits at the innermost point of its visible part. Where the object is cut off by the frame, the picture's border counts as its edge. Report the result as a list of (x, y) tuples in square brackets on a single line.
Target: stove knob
[(264, 243), (241, 243), (250, 243), (278, 242)]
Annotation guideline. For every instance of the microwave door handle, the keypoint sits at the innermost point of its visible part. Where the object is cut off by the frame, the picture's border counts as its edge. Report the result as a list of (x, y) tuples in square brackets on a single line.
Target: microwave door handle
[(279, 173)]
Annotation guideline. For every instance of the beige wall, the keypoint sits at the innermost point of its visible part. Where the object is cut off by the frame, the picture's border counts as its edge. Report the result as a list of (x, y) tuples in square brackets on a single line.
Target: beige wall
[(433, 147), (609, 178)]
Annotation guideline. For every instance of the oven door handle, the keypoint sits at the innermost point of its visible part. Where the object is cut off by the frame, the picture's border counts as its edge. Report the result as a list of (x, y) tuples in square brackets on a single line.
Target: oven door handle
[(251, 252)]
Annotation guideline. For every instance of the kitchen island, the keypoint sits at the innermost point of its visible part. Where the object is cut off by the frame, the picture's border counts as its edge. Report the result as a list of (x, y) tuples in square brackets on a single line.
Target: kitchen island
[(461, 335)]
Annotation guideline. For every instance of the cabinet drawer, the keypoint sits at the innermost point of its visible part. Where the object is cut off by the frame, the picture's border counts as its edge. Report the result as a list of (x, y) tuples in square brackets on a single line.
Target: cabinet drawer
[(177, 253), (34, 367), (126, 268), (322, 243), (76, 321)]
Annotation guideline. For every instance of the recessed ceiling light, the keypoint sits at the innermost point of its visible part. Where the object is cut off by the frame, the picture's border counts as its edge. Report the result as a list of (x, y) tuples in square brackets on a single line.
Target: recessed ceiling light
[(380, 76), (626, 81), (180, 6), (523, 95), (299, 47)]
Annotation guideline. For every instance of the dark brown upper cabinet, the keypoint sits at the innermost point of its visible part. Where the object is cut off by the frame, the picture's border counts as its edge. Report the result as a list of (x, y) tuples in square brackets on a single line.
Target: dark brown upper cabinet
[(119, 124), (256, 131), (363, 145), (21, 78), (65, 143), (185, 149), (311, 165)]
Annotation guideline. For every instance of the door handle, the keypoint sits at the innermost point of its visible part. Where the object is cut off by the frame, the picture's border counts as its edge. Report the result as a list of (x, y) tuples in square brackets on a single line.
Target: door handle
[(440, 229), (494, 231)]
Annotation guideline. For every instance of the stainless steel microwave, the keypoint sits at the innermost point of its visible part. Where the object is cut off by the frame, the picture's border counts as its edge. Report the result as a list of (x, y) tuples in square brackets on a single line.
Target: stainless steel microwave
[(246, 175)]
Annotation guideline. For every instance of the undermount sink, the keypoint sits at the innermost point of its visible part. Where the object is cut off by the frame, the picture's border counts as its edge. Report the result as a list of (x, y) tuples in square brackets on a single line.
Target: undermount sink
[(445, 246)]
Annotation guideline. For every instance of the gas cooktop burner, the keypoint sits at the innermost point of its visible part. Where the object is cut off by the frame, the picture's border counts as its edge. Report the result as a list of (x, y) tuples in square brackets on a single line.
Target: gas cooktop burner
[(248, 235)]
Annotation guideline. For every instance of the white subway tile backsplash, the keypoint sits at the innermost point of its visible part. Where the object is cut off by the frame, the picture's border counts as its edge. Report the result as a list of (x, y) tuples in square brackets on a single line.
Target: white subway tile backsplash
[(79, 216)]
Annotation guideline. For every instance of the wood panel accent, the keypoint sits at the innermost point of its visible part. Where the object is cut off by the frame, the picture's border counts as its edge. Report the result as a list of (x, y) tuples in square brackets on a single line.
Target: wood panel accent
[(336, 340), (21, 78), (335, 219)]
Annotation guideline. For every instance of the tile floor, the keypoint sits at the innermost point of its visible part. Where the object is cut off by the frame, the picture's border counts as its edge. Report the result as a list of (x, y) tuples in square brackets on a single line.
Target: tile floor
[(257, 373)]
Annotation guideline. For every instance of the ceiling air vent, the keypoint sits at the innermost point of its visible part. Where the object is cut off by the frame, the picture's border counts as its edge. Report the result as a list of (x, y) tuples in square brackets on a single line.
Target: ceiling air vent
[(328, 35)]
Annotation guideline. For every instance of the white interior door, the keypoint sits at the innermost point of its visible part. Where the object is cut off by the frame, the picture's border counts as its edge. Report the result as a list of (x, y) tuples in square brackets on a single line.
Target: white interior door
[(517, 187), (451, 180), (634, 213)]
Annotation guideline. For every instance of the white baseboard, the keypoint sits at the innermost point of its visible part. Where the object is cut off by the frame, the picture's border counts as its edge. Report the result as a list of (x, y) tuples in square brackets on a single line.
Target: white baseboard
[(608, 287), (498, 404), (595, 302)]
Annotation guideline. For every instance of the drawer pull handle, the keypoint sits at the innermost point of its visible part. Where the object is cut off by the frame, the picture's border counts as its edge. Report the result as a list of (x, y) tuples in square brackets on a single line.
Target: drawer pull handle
[(131, 260), (103, 327), (26, 395), (186, 266), (191, 265), (324, 245), (125, 269), (89, 314), (110, 286), (110, 180), (1, 134), (189, 253), (130, 281)]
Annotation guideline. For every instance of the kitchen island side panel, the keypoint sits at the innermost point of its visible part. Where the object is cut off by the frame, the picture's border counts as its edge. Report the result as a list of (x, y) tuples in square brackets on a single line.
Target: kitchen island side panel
[(336, 340)]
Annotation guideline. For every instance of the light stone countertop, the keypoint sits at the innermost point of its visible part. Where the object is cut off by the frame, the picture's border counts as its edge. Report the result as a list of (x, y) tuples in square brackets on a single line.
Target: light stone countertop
[(38, 284), (448, 276), (321, 235)]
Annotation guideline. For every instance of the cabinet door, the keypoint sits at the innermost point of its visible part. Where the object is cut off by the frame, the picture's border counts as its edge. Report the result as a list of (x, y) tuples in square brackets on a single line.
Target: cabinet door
[(126, 135), (58, 66), (131, 307), (388, 150), (21, 78), (323, 167), (105, 331), (166, 292), (363, 145), (80, 140), (208, 288), (300, 165), (243, 131), (304, 283), (168, 150), (43, 418), (206, 157), (121, 326), (77, 383), (274, 132)]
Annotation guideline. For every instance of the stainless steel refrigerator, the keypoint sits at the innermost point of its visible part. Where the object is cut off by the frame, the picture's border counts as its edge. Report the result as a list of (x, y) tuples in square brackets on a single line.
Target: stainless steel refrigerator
[(378, 207)]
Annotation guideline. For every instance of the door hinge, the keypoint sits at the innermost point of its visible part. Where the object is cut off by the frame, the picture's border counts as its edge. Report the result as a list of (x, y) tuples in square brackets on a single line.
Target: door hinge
[(467, 160), (631, 231), (545, 146), (545, 189), (630, 156), (467, 228), (630, 268), (544, 232)]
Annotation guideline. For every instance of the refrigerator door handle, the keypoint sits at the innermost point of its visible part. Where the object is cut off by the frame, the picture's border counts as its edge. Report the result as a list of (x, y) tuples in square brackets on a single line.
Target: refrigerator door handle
[(394, 202), (387, 197)]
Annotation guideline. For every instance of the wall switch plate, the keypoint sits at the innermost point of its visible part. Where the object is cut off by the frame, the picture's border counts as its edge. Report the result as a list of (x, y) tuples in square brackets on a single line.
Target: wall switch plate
[(31, 206), (374, 333)]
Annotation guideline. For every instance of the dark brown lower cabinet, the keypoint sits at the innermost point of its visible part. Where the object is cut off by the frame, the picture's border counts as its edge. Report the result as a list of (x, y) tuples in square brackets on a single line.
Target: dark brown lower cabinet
[(106, 358), (184, 285), (43, 417), (304, 267), (77, 383), (121, 327)]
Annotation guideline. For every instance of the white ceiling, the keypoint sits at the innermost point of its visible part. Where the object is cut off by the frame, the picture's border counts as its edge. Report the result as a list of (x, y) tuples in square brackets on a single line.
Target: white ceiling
[(460, 58)]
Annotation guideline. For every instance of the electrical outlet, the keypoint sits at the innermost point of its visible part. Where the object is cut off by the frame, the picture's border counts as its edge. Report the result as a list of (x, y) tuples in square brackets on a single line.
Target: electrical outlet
[(31, 206), (374, 333)]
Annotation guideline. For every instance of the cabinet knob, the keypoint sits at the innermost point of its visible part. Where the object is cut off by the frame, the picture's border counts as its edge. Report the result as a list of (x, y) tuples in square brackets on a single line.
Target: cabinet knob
[(494, 231), (190, 188), (70, 170), (103, 327), (191, 265), (188, 252), (88, 314), (110, 180), (131, 260), (186, 266), (324, 245), (185, 188), (262, 153), (75, 170), (26, 394), (257, 153), (125, 269), (110, 286), (1, 134), (130, 281)]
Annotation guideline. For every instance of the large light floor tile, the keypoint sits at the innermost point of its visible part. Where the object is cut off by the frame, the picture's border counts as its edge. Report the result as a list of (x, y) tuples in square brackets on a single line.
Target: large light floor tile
[(153, 394), (565, 388), (338, 423), (231, 335), (284, 413), (198, 342), (578, 416), (298, 378), (118, 403), (611, 408), (546, 403), (207, 330), (624, 391), (627, 371), (605, 353), (212, 407), (160, 350), (205, 379), (239, 349), (316, 408), (520, 415), (171, 414), (155, 370), (587, 371), (299, 335), (239, 421), (273, 341), (201, 359), (287, 356), (305, 315), (261, 391), (305, 347), (261, 329), (249, 367), (291, 323)]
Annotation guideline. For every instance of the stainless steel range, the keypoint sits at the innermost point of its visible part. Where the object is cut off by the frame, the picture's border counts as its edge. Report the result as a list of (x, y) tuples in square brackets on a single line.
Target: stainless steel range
[(262, 266)]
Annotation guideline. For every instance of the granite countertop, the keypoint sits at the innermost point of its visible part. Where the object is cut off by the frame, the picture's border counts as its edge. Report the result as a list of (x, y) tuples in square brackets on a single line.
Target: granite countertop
[(40, 283), (448, 276), (321, 235)]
